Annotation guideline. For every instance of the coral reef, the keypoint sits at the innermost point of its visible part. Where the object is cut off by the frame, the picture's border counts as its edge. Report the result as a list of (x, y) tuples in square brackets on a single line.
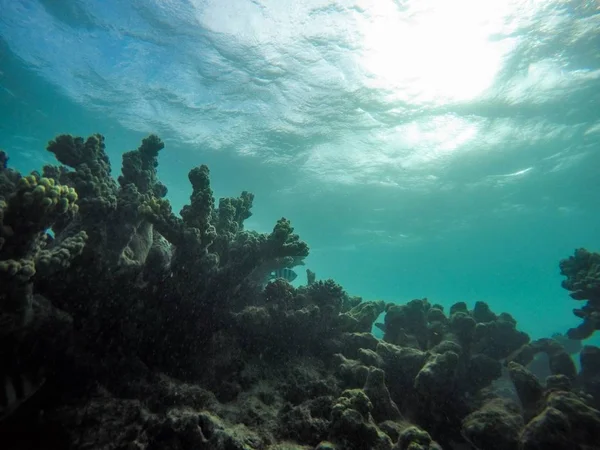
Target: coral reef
[(144, 329), (582, 272)]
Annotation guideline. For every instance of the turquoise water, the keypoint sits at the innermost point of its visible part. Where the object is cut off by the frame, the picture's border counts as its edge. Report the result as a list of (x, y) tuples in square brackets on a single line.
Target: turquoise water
[(448, 152)]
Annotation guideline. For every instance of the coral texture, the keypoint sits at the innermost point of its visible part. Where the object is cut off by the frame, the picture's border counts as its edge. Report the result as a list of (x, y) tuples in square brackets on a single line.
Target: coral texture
[(127, 326)]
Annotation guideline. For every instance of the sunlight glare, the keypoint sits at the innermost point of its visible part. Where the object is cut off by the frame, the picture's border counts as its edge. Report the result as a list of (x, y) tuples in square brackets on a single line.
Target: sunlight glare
[(435, 139), (436, 52)]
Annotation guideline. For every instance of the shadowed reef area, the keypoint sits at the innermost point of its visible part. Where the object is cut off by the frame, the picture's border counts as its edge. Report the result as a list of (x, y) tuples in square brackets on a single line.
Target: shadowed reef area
[(130, 327)]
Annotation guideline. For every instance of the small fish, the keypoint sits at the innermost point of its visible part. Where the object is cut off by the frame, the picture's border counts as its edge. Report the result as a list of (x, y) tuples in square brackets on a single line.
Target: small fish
[(16, 390), (287, 274)]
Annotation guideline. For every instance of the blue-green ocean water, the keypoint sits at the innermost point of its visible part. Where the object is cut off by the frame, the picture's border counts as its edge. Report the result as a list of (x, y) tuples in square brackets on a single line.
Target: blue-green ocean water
[(448, 150)]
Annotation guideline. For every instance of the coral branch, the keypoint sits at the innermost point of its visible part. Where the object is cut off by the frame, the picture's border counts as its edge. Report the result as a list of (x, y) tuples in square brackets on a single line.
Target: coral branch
[(583, 280)]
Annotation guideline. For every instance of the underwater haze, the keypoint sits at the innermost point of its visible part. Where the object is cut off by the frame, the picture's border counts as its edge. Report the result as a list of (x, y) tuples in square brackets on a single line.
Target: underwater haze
[(447, 150)]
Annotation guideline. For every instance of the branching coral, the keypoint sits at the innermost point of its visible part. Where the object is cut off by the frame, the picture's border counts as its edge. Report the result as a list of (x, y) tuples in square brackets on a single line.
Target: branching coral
[(91, 176), (198, 213), (32, 207), (233, 212), (583, 280), (205, 259), (28, 207), (119, 234), (560, 362), (288, 321), (33, 333), (139, 167), (145, 293)]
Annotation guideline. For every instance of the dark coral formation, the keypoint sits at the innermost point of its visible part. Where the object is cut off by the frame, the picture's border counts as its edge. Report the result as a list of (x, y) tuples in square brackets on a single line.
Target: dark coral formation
[(583, 280), (143, 329)]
